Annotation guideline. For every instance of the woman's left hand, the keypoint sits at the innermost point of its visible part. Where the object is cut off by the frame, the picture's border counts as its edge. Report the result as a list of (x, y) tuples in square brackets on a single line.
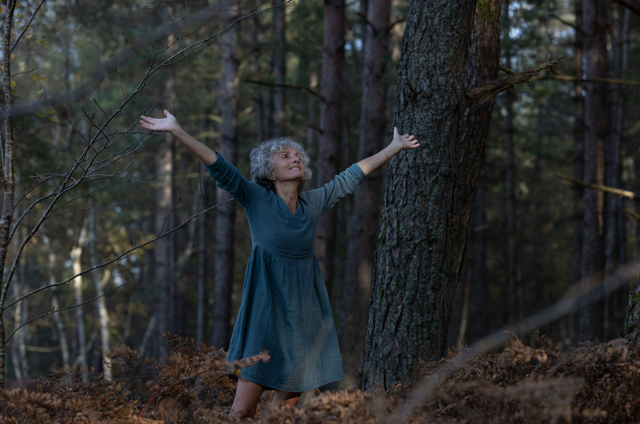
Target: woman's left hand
[(405, 141)]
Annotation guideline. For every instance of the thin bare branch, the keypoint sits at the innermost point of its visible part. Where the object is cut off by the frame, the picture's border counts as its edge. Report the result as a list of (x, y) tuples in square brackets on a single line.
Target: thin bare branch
[(128, 53), (62, 283), (26, 27), (569, 78), (293, 87), (54, 310), (623, 193), (632, 7)]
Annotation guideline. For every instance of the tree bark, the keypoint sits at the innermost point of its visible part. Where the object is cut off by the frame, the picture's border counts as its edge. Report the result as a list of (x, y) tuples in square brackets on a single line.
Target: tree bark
[(101, 303), (356, 292), (480, 265), (330, 123), (202, 258), (76, 255), (578, 162), (225, 217), (7, 173), (510, 195), (430, 191), (257, 95), (595, 50), (279, 14)]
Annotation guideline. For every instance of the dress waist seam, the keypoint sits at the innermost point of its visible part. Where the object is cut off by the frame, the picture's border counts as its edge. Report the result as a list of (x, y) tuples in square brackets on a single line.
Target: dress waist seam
[(258, 246)]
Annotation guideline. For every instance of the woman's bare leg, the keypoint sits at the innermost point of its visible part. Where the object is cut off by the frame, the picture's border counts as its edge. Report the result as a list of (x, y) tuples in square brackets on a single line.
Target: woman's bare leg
[(289, 398), (246, 401)]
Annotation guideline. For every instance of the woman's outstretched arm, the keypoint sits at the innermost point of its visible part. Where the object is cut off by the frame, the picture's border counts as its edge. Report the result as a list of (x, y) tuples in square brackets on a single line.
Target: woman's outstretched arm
[(170, 125), (399, 142)]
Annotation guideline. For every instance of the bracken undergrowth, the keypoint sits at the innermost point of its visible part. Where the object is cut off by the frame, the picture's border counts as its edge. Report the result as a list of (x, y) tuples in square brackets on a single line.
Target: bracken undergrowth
[(593, 383)]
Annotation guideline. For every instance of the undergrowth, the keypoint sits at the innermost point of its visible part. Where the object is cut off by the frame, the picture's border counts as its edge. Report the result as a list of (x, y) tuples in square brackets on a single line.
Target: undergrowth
[(594, 383)]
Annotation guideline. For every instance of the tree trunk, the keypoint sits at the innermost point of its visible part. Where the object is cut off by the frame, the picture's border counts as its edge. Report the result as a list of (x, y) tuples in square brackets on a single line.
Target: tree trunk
[(510, 195), (279, 58), (330, 123), (8, 180), (622, 294), (18, 319), (595, 50), (62, 335), (480, 265), (76, 255), (356, 292), (101, 305), (225, 217), (430, 191), (578, 163), (257, 95), (202, 259)]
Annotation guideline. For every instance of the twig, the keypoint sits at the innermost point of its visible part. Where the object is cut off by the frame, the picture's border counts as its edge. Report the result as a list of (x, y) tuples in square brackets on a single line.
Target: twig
[(26, 27), (61, 283), (576, 79), (54, 310), (630, 6), (623, 193), (128, 53), (293, 87)]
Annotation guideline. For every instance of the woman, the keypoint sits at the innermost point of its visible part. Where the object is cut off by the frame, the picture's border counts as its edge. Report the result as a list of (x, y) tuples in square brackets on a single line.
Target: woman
[(285, 307)]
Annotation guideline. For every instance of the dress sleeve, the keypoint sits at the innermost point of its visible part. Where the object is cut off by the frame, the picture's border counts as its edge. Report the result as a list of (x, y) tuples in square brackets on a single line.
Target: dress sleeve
[(326, 197), (229, 178)]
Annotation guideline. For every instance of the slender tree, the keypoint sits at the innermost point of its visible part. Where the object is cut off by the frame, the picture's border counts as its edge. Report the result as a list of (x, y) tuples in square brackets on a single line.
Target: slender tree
[(331, 126), (595, 51), (101, 304), (510, 195), (578, 160), (76, 255), (279, 16), (224, 251), (365, 215)]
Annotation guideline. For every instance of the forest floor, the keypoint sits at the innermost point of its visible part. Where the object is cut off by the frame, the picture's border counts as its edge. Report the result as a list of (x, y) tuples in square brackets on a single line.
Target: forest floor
[(593, 383)]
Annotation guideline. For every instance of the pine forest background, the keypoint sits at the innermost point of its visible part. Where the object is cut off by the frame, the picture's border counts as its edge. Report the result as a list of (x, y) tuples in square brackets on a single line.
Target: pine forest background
[(520, 249)]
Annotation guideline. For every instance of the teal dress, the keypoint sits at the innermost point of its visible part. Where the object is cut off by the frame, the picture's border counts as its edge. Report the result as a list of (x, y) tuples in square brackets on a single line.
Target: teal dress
[(285, 306)]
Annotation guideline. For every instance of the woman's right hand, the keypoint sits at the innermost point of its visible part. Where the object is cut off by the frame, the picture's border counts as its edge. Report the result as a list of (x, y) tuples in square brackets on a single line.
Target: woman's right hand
[(168, 124)]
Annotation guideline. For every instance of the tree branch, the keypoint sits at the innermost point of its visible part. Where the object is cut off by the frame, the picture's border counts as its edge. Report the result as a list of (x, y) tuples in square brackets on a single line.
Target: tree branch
[(576, 79), (622, 193), (129, 52), (26, 27), (54, 310), (632, 7), (61, 283), (293, 87), (495, 87)]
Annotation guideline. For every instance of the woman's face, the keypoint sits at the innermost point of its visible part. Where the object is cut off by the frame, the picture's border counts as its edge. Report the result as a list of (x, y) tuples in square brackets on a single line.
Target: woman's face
[(287, 165)]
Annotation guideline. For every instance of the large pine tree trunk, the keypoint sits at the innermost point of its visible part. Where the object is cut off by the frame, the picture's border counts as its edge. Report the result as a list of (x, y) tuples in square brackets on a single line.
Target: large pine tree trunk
[(330, 123), (354, 305), (225, 217), (430, 191), (595, 50)]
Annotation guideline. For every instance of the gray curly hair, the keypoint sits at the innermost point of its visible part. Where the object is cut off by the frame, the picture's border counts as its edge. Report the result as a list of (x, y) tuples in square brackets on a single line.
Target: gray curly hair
[(262, 163)]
